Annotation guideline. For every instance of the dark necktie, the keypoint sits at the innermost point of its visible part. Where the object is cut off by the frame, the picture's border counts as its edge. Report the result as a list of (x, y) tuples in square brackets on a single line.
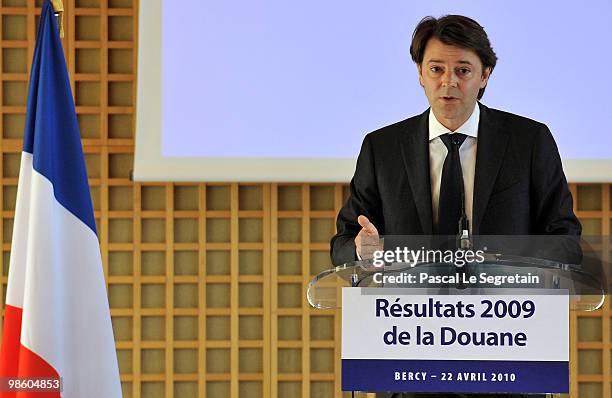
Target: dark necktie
[(449, 206)]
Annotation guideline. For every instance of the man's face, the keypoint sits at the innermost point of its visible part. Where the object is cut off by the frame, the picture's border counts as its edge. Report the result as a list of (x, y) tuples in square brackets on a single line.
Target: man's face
[(451, 77)]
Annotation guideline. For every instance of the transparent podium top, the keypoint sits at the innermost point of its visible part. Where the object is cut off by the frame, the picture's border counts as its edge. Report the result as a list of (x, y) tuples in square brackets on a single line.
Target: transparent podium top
[(528, 275)]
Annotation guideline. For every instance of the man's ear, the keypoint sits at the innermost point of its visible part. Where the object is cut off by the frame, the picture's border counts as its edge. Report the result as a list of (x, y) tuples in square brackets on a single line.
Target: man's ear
[(420, 75), (485, 77)]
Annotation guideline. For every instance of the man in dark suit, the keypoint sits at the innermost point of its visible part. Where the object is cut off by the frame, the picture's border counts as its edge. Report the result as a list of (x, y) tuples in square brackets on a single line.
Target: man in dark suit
[(510, 166), (412, 175)]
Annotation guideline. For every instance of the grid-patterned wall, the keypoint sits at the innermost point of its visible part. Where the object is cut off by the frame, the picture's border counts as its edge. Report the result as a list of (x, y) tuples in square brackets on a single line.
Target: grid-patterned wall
[(206, 282)]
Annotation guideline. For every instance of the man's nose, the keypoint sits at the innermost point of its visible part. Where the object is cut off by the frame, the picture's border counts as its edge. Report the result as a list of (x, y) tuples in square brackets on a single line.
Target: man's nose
[(449, 79)]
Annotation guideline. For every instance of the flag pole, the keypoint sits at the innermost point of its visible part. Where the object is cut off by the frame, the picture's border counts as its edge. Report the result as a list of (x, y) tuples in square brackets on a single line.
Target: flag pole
[(58, 7)]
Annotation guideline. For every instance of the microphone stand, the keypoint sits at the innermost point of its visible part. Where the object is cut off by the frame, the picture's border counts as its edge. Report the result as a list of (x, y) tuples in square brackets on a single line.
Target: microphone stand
[(464, 239)]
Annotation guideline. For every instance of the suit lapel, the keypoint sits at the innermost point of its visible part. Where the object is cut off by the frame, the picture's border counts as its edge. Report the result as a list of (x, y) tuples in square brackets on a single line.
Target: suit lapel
[(415, 153), (492, 142)]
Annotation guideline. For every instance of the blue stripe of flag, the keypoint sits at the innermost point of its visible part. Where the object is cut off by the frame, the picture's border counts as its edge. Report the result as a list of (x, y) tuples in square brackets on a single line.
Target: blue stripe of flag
[(51, 131)]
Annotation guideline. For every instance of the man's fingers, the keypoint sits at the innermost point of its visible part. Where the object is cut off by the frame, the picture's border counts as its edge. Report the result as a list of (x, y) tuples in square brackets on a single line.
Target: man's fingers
[(363, 221), (366, 225), (367, 239)]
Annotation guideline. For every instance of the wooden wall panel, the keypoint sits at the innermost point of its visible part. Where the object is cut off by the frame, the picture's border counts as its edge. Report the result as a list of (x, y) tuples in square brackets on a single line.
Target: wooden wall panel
[(207, 282)]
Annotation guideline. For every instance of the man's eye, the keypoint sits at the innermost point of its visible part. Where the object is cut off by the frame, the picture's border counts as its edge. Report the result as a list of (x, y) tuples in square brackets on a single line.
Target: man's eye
[(463, 71), (435, 69)]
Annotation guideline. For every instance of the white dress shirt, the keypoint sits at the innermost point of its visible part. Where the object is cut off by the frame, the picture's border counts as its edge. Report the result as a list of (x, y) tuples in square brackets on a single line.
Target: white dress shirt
[(467, 154)]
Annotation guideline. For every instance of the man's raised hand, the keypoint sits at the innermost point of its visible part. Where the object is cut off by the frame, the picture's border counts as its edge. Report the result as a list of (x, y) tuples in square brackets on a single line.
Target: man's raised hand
[(367, 240)]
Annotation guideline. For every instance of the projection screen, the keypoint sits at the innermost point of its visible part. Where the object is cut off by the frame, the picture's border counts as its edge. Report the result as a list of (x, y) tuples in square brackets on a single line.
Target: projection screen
[(281, 91)]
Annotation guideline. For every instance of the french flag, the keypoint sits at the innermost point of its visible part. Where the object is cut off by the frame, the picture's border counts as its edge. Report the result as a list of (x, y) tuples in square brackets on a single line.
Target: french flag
[(57, 320)]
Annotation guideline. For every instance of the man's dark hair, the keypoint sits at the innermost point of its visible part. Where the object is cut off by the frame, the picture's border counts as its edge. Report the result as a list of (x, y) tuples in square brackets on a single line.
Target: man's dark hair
[(453, 30)]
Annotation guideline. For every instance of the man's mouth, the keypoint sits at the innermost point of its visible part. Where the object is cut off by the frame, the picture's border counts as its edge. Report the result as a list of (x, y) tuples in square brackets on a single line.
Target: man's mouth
[(448, 99)]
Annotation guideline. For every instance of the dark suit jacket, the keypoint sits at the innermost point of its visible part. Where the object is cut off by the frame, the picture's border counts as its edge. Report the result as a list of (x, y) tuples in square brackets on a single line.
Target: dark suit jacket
[(519, 186)]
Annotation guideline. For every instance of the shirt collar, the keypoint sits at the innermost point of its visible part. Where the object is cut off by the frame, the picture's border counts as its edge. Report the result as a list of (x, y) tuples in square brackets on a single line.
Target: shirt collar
[(470, 127)]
